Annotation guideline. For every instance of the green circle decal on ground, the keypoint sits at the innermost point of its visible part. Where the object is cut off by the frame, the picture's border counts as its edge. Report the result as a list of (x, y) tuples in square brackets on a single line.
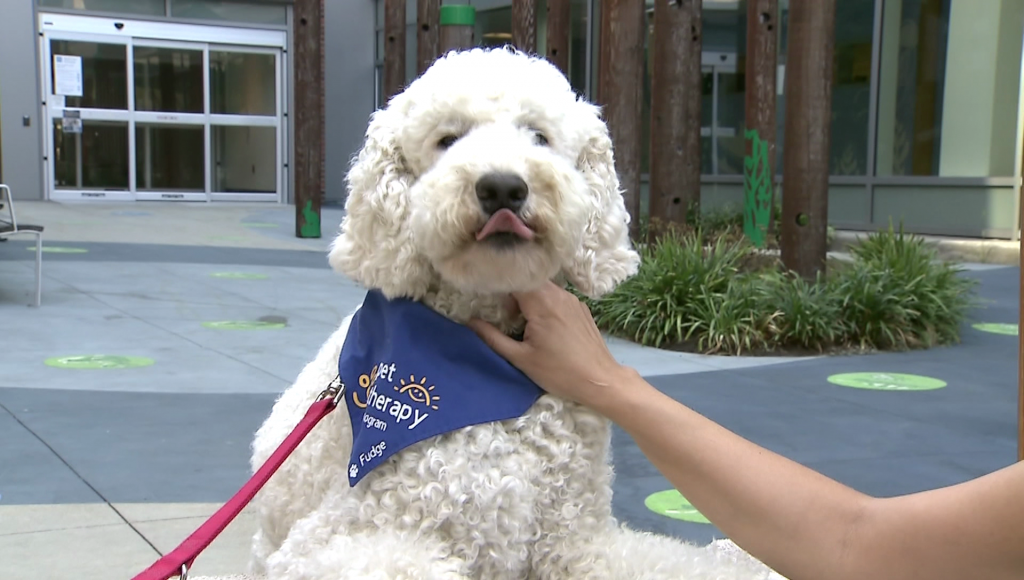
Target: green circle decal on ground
[(997, 328), (670, 503), (243, 325), (259, 225), (239, 275), (60, 250), (98, 361), (886, 381)]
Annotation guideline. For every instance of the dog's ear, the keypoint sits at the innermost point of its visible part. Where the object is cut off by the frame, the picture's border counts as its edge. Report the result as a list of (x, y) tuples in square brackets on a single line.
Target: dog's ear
[(606, 256), (374, 247)]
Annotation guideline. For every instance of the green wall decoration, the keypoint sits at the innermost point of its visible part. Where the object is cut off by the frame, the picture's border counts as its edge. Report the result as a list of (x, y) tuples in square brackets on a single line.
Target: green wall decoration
[(757, 189), (311, 227)]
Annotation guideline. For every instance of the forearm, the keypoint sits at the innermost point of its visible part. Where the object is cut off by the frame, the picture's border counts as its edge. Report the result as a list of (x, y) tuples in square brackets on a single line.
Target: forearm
[(792, 518)]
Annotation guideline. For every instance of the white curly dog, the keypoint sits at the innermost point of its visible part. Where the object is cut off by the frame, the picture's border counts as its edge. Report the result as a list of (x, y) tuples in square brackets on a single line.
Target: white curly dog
[(486, 175)]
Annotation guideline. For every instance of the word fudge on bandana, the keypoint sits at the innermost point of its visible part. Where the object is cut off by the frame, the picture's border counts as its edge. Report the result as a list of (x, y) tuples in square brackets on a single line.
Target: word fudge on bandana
[(412, 374)]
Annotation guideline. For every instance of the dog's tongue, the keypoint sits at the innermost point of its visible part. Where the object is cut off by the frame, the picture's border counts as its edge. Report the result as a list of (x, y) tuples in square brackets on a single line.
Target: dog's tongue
[(505, 221)]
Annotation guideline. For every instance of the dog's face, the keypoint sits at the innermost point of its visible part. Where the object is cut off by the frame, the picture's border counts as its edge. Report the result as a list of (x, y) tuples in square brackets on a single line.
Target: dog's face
[(489, 173)]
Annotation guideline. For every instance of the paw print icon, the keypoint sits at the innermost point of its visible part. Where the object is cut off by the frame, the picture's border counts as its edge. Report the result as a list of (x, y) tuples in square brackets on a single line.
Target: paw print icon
[(353, 470)]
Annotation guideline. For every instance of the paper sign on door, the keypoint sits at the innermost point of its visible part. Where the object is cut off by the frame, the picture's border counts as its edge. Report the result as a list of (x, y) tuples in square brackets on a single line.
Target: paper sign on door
[(67, 75)]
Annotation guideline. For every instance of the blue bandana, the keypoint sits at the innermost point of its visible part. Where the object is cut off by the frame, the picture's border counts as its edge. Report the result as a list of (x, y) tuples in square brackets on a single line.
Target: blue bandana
[(412, 374)]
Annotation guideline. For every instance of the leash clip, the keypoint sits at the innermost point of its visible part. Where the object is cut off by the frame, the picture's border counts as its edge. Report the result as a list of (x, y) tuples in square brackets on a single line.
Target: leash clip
[(335, 390)]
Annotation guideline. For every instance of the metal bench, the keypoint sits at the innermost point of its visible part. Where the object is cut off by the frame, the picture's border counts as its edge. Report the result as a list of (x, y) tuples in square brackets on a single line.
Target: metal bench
[(9, 226)]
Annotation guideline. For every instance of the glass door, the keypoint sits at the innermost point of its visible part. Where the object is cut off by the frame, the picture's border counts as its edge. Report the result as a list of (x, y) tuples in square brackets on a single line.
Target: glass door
[(134, 118), (245, 136), (169, 120), (722, 110), (88, 117), (707, 115), (730, 144)]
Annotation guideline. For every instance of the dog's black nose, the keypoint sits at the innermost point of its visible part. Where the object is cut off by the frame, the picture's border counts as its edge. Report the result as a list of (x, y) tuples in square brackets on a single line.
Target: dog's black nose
[(497, 191)]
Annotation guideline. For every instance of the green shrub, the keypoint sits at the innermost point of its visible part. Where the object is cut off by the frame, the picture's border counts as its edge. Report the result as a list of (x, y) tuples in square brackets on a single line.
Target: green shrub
[(875, 307), (678, 276), (807, 316), (718, 219), (730, 321), (900, 295), (711, 291)]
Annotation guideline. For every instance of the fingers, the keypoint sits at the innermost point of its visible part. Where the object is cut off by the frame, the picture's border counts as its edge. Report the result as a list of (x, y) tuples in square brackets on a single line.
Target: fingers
[(509, 348), (549, 297)]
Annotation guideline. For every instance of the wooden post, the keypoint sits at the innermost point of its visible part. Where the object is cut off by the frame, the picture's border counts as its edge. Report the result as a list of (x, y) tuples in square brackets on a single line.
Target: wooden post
[(524, 25), (457, 22), (1020, 342), (308, 115), (559, 33), (428, 39), (930, 63), (808, 132), (394, 47), (675, 110), (759, 130), (619, 90)]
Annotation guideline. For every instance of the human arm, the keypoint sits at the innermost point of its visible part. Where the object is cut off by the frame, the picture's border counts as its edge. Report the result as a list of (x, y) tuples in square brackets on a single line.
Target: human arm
[(801, 523), (807, 526)]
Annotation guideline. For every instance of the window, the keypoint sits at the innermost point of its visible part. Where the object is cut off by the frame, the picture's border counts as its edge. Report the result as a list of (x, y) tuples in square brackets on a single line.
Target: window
[(275, 13), (724, 88), (145, 7), (252, 12), (494, 28), (578, 46), (948, 88), (104, 74), (851, 87)]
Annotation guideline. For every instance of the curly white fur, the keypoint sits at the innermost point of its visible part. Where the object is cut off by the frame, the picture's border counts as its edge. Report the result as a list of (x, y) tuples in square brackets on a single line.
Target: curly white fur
[(524, 498)]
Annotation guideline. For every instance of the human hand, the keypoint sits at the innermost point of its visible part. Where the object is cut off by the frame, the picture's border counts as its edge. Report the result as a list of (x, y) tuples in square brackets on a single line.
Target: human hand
[(562, 350)]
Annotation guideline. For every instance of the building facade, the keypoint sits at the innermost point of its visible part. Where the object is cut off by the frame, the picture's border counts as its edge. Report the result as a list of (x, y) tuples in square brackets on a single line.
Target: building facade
[(172, 100), (926, 112)]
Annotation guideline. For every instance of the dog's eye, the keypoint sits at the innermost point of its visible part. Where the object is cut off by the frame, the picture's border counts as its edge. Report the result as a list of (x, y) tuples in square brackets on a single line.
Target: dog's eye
[(540, 138), (446, 141)]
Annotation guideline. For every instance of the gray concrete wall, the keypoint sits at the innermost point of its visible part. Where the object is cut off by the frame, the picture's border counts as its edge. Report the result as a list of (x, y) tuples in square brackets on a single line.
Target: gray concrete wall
[(21, 146), (349, 85)]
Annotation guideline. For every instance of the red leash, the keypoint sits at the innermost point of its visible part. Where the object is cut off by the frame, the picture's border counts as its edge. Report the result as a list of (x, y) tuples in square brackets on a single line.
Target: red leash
[(178, 561)]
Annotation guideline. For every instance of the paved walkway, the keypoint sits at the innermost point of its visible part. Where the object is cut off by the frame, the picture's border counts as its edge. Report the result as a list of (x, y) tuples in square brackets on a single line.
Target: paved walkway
[(220, 307)]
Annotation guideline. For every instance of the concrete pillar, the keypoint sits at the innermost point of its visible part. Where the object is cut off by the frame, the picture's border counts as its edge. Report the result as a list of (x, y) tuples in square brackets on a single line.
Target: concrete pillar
[(348, 79), (21, 142)]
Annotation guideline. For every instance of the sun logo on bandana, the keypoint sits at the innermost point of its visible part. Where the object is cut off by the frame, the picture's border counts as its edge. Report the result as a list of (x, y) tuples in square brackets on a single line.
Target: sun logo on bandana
[(365, 382), (418, 391)]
